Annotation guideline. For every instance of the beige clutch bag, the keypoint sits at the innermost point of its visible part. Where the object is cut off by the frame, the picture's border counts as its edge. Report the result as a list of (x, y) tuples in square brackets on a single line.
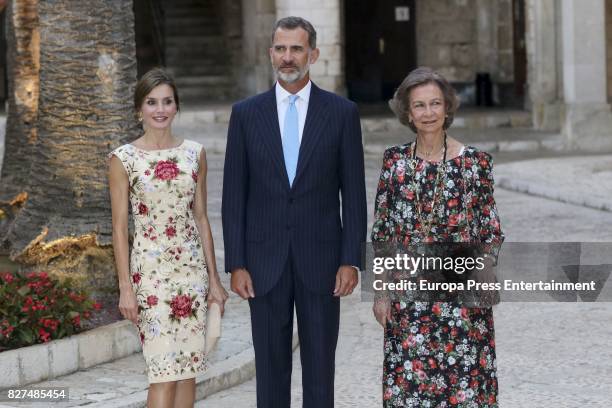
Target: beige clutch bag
[(213, 326)]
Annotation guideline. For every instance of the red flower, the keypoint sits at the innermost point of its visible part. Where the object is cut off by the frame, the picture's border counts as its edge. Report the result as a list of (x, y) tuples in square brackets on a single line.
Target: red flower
[(136, 278), (417, 365), (194, 176), (166, 170), (147, 172), (432, 363), (44, 335), (436, 309), (143, 209), (170, 232), (97, 306), (152, 300), (8, 277), (76, 320), (449, 347), (454, 219), (453, 400), (453, 202), (181, 306), (483, 362)]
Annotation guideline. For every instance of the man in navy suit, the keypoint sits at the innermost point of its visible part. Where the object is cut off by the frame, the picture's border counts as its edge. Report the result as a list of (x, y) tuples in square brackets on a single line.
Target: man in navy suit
[(291, 152)]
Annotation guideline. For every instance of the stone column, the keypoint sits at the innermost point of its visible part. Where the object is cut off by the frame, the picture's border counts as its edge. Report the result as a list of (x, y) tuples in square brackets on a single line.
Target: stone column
[(587, 123), (258, 18), (543, 77), (325, 16)]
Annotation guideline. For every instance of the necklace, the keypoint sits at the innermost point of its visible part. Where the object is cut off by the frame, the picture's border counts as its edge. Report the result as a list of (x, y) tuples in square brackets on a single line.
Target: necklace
[(429, 153), (427, 222)]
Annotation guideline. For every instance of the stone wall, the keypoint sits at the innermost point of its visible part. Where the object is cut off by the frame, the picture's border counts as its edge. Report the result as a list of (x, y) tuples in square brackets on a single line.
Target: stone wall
[(459, 38), (258, 18), (325, 16), (446, 37), (609, 48), (232, 32)]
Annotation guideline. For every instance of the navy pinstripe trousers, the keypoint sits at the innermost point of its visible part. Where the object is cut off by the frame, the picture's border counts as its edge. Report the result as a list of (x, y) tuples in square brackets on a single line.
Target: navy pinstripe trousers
[(318, 317)]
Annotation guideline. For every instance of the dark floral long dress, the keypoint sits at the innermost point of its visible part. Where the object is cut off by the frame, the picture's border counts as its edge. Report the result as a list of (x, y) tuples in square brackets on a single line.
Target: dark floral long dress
[(438, 354)]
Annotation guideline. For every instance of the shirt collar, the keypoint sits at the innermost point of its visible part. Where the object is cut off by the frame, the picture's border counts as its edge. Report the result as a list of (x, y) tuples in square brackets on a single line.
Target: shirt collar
[(282, 95)]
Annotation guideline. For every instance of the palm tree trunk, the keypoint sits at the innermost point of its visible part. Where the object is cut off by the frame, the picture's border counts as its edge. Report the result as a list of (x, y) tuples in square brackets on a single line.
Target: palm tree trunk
[(87, 78), (23, 49)]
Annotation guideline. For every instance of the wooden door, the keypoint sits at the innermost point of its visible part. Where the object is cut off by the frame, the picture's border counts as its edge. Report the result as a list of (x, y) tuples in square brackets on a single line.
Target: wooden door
[(380, 47)]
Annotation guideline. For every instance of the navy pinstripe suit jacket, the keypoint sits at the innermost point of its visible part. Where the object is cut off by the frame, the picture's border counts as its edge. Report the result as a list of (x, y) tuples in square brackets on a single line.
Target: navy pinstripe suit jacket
[(263, 217)]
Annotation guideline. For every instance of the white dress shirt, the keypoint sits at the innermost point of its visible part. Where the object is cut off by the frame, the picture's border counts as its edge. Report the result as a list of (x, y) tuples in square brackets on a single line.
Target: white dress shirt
[(301, 104)]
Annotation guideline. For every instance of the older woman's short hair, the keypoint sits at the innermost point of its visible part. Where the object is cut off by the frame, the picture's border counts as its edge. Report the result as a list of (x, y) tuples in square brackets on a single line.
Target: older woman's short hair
[(400, 104)]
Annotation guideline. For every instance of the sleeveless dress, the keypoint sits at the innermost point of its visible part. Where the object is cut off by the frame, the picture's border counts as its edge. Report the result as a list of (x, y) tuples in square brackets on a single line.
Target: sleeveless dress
[(167, 266), (438, 354)]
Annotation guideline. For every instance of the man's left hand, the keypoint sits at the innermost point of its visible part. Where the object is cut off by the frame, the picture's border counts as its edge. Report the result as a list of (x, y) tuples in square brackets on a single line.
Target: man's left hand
[(346, 280)]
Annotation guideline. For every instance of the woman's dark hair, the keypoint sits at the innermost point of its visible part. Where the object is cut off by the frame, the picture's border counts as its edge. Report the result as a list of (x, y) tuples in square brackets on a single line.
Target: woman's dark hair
[(400, 104), (151, 80)]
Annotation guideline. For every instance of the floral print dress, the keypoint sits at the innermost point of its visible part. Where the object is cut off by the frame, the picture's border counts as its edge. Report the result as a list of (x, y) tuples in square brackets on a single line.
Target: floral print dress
[(438, 354), (167, 265)]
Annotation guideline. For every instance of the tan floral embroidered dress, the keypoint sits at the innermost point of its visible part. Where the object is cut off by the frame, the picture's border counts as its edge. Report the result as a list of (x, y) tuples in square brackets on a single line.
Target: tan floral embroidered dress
[(167, 265)]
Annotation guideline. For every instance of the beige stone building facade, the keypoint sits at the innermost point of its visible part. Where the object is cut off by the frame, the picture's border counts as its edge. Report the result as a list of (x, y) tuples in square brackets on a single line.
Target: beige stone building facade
[(550, 57)]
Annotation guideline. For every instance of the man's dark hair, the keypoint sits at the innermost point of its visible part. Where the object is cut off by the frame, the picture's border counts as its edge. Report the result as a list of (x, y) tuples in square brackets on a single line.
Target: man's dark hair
[(291, 23)]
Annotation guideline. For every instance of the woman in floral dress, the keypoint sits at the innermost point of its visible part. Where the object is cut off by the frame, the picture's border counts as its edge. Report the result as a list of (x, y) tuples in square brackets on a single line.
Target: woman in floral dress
[(170, 277), (437, 353)]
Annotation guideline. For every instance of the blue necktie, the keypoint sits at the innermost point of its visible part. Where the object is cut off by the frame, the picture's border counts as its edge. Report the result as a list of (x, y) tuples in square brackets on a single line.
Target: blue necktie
[(291, 139)]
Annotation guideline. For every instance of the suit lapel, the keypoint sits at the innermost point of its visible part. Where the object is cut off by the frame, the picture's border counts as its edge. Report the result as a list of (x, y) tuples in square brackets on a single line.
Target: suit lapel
[(271, 133), (313, 128)]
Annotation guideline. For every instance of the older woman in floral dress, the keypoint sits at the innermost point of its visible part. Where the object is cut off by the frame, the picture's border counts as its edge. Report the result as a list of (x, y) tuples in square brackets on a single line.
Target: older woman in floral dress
[(435, 189)]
